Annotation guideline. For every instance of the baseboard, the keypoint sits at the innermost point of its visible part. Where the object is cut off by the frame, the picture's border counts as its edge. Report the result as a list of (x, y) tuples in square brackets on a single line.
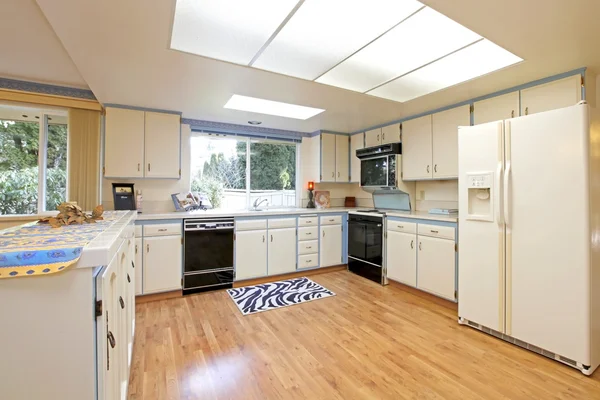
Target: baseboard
[(297, 274), (158, 296), (424, 295)]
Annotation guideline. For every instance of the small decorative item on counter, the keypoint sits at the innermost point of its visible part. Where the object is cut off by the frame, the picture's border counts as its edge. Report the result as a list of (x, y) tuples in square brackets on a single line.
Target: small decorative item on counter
[(350, 202), (138, 201), (311, 187), (322, 199), (70, 214), (187, 202)]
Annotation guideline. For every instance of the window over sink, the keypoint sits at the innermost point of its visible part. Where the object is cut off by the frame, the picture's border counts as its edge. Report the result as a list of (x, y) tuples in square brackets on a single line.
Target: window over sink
[(235, 172)]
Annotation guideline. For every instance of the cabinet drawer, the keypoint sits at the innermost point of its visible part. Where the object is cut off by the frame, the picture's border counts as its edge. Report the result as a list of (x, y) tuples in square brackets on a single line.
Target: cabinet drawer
[(308, 233), (444, 232), (138, 231), (308, 260), (401, 226), (162, 229), (307, 221), (282, 223), (308, 247), (251, 225), (331, 220)]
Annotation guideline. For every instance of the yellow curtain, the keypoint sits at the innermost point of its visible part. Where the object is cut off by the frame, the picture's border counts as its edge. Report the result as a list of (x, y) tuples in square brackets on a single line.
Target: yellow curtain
[(84, 157)]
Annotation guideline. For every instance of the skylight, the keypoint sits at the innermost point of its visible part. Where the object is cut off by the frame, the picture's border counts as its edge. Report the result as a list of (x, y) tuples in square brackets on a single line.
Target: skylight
[(261, 106), (396, 49)]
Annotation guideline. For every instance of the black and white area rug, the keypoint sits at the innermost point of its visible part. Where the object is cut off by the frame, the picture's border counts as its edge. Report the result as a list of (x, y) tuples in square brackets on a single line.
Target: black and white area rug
[(268, 296)]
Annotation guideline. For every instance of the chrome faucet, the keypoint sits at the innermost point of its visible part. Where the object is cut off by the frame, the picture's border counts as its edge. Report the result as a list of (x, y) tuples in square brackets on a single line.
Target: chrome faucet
[(258, 203)]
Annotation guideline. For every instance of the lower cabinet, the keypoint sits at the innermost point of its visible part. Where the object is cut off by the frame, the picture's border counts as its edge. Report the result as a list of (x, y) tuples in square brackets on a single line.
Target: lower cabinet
[(282, 251), (162, 264), (437, 267), (250, 254), (402, 257), (138, 266), (331, 245)]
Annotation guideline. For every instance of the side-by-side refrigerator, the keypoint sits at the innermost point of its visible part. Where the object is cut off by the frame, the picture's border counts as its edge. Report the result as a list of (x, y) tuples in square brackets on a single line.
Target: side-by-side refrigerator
[(529, 232)]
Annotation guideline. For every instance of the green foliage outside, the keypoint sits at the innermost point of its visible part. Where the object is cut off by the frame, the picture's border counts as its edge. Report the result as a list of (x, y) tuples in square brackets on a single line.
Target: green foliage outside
[(19, 148)]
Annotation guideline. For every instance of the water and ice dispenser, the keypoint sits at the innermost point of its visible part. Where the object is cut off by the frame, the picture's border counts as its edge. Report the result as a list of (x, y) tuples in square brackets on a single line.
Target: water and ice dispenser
[(480, 196)]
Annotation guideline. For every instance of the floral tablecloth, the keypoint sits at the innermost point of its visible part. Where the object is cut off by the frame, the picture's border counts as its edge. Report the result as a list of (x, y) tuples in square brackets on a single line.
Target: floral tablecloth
[(38, 249)]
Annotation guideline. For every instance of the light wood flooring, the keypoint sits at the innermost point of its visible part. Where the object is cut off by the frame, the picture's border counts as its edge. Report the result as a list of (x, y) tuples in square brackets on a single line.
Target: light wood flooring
[(368, 342)]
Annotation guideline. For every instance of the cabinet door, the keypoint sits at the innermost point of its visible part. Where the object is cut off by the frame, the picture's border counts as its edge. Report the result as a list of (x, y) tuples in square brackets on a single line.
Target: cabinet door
[(162, 264), (342, 162), (162, 145), (550, 96), (328, 153), (282, 251), (124, 143), (445, 140), (390, 134), (401, 257), (496, 108), (356, 142), (139, 267), (436, 271), (416, 149), (331, 245), (250, 254), (373, 137)]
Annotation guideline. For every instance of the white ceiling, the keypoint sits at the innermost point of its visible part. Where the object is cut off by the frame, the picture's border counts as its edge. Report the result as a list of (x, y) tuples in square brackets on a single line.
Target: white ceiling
[(121, 49), (29, 48)]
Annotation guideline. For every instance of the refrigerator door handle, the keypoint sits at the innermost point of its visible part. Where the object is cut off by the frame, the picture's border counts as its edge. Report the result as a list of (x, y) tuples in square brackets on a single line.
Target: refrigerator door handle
[(506, 194), (498, 184)]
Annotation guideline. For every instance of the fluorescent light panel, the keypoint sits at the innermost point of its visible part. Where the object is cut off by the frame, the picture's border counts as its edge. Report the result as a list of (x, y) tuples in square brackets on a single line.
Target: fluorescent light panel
[(421, 39), (471, 62), (229, 30), (261, 106), (324, 32)]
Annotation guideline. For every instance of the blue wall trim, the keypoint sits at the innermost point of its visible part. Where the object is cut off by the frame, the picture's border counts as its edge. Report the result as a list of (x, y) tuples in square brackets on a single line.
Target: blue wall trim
[(243, 130), (579, 71), (142, 108), (43, 88)]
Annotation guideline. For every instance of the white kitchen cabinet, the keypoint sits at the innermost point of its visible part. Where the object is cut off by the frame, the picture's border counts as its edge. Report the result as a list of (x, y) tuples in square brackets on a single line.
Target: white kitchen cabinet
[(401, 259), (342, 161), (328, 157), (139, 267), (416, 148), (550, 96), (282, 251), (250, 254), (373, 137), (496, 108), (436, 272), (390, 134), (445, 140), (356, 142), (162, 264), (124, 143), (162, 145), (331, 245)]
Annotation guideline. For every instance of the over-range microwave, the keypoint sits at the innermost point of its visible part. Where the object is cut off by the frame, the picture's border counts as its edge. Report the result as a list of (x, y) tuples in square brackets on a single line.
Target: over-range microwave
[(380, 165)]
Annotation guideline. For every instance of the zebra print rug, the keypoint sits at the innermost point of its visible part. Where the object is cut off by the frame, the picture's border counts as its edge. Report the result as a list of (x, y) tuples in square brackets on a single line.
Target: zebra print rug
[(268, 296)]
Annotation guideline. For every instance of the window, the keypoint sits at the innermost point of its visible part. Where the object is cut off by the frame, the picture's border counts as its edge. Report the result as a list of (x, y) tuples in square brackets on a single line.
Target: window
[(33, 159), (234, 173)]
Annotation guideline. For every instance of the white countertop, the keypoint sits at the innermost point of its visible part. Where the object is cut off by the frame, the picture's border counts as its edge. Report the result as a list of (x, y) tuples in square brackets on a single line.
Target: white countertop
[(294, 211)]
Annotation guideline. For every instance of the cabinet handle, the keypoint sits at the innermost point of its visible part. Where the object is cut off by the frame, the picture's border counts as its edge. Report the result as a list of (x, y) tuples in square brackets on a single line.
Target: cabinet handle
[(121, 302), (136, 249), (435, 168), (309, 247), (338, 174), (378, 138), (331, 220), (309, 222), (147, 247), (512, 114), (419, 245), (308, 233), (138, 167), (427, 168), (111, 339), (526, 110), (412, 242), (132, 265), (148, 167), (432, 231), (128, 279), (323, 233), (308, 261), (401, 226), (271, 238), (263, 238), (383, 136), (333, 174)]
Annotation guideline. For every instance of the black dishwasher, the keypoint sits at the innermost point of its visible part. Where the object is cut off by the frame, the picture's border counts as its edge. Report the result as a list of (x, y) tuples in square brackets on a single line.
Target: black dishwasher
[(208, 254)]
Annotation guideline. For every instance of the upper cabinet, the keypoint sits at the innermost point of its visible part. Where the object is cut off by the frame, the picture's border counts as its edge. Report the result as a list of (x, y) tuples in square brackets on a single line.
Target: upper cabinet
[(342, 160), (373, 137), (140, 144), (416, 148), (325, 158), (496, 108), (356, 142), (390, 134), (328, 153), (557, 94)]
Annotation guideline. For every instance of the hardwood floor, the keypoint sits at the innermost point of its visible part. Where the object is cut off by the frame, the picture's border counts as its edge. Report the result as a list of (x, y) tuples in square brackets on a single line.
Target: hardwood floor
[(368, 342)]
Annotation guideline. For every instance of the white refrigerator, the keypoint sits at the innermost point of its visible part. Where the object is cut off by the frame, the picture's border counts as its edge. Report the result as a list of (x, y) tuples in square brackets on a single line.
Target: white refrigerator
[(529, 232)]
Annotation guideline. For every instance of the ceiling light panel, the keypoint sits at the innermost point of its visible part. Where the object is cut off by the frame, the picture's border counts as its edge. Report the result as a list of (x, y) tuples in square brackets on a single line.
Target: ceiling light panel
[(229, 30), (421, 39), (323, 32), (471, 62), (262, 106)]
